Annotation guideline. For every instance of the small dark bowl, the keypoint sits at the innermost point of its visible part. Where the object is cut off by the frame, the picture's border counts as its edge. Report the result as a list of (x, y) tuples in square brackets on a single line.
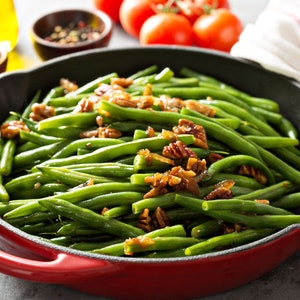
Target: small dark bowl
[(45, 25)]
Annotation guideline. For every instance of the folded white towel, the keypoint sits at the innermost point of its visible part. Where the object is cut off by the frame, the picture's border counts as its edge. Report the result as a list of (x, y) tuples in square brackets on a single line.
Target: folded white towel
[(274, 40)]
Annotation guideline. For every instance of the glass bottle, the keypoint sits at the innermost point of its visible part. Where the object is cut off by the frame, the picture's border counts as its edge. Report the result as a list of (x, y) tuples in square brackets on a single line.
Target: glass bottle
[(9, 27)]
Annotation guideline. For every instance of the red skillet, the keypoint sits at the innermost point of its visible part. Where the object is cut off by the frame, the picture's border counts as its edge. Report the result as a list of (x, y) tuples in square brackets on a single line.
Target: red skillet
[(28, 257)]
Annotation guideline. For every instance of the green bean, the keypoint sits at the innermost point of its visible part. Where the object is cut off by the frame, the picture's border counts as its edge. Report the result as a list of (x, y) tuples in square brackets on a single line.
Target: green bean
[(67, 101), (238, 160), (27, 159), (144, 72), (92, 85), (40, 191), (271, 192), (66, 132), (73, 119), (273, 141), (253, 101), (207, 229), (118, 249), (74, 228), (35, 99), (43, 228), (288, 156), (4, 196), (92, 219), (243, 206), (39, 139), (243, 114), (289, 201), (111, 199), (73, 178), (12, 204), (271, 116), (287, 128), (75, 195), (117, 211), (151, 162), (163, 201), (228, 240), (89, 143), (7, 157), (143, 244), (109, 153), (110, 169), (217, 131), (239, 180)]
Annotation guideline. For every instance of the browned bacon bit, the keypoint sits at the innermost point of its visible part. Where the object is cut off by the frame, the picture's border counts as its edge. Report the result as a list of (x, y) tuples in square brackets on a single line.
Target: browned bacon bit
[(159, 219), (123, 82), (200, 108), (189, 127), (12, 129), (41, 111), (68, 85), (145, 221), (84, 105), (178, 150), (253, 172), (142, 241), (150, 131)]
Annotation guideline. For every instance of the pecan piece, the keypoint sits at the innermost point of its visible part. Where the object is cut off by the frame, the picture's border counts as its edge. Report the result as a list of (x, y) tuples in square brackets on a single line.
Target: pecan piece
[(178, 150), (67, 85), (123, 82), (41, 111), (12, 129), (84, 105), (189, 127), (200, 108), (253, 172), (159, 219), (145, 221)]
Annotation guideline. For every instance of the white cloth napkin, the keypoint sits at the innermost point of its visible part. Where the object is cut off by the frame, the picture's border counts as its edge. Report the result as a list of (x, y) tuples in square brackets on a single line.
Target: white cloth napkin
[(273, 40)]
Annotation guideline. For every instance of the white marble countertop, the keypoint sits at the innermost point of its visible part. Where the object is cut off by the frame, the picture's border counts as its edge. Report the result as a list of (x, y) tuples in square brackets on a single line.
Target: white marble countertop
[(281, 283)]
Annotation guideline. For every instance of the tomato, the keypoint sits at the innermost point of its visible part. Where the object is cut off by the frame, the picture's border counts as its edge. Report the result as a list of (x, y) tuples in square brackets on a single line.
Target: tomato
[(219, 30), (111, 7), (133, 13), (167, 28), (193, 9)]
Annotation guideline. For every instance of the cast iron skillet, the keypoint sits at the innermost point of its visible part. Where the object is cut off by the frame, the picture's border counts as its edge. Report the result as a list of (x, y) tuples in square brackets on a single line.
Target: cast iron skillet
[(28, 257)]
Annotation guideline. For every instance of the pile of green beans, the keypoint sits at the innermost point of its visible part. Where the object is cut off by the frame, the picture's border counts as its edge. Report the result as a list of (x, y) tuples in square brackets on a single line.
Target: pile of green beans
[(54, 184)]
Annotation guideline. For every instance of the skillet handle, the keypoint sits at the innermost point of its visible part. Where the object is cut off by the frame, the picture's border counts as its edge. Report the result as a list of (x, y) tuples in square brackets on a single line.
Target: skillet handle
[(24, 257)]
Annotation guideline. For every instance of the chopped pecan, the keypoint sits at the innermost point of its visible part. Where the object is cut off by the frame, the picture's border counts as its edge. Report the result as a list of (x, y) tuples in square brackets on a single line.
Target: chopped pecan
[(200, 108), (12, 129), (41, 111), (123, 82), (159, 219), (219, 193), (144, 102), (107, 132), (189, 127), (170, 104), (68, 85), (145, 221), (178, 150), (197, 165), (104, 210), (84, 105), (230, 228), (213, 157), (150, 131), (253, 172), (89, 134), (142, 241)]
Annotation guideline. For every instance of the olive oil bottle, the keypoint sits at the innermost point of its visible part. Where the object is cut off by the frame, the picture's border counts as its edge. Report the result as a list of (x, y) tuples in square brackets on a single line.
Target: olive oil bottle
[(8, 24)]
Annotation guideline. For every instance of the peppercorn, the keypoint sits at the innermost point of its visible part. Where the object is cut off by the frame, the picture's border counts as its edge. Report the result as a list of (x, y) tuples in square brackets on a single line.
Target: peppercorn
[(73, 33)]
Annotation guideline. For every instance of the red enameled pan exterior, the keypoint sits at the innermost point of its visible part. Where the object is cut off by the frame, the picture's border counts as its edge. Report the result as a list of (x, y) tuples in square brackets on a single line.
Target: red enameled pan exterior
[(28, 257)]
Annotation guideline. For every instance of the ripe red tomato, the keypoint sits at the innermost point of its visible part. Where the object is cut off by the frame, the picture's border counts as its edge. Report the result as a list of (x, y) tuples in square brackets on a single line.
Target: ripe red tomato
[(193, 9), (133, 13), (111, 7), (219, 30), (167, 28)]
